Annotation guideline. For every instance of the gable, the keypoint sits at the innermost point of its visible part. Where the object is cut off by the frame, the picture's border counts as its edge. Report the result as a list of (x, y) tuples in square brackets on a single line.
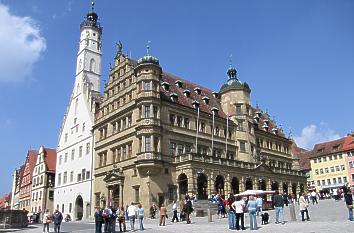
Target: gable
[(263, 168)]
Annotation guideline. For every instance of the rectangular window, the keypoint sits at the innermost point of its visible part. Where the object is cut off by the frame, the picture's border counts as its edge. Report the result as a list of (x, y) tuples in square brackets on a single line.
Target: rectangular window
[(129, 121), (66, 137), (326, 170), (119, 127), (80, 151), (87, 148), (156, 144), (337, 168), (88, 175), (188, 148), (321, 171), (172, 119), (328, 181), (339, 180), (147, 86), (65, 177), (124, 123), (60, 159), (179, 121), (242, 147), (340, 156), (114, 155), (186, 123), (147, 111), (137, 195), (100, 160), (323, 182), (71, 176), (172, 148), (124, 152), (66, 158), (155, 111), (202, 127), (70, 207), (316, 171), (147, 143), (332, 169), (345, 179), (62, 208), (334, 180), (240, 126), (105, 159), (238, 109), (59, 179), (180, 149), (318, 183), (130, 150), (119, 154), (78, 177), (342, 167), (72, 154)]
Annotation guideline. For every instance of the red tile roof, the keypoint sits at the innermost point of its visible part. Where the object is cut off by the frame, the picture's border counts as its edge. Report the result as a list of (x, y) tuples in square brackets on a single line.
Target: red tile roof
[(303, 156), (348, 143), (328, 147), (50, 159), (187, 101)]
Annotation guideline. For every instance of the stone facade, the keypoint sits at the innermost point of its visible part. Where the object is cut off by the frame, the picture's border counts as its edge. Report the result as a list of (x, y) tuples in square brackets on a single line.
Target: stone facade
[(148, 148)]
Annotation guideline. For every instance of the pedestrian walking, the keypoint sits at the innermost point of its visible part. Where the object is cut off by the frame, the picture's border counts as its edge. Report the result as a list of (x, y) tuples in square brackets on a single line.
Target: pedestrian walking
[(259, 204), (107, 215), (348, 197), (57, 219), (153, 210), (113, 220), (98, 220), (314, 197), (163, 214), (121, 220), (252, 207), (279, 207), (188, 209), (174, 210), (239, 206), (231, 212), (46, 221), (132, 214), (141, 216), (304, 204)]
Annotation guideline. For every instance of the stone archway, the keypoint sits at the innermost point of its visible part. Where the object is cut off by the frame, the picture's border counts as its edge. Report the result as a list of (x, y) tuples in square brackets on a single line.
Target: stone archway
[(219, 184), (79, 208), (235, 185), (202, 186), (275, 186), (248, 184), (262, 185), (182, 185), (285, 188)]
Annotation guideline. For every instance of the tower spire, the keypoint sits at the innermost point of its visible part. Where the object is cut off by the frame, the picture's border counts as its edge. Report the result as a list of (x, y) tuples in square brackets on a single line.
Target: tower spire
[(148, 47)]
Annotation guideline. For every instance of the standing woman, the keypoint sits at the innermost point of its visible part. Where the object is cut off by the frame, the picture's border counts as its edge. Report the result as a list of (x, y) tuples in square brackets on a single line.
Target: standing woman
[(98, 220), (163, 213), (46, 221), (141, 216), (252, 208), (121, 219), (239, 206), (231, 212), (304, 203)]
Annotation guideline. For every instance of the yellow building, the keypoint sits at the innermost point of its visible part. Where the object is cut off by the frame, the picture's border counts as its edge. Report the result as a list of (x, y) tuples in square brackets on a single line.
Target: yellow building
[(328, 165)]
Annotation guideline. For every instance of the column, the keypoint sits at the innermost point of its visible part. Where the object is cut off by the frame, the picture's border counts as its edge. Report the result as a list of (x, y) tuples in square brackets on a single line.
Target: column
[(121, 194), (242, 184), (281, 186), (269, 184), (227, 184), (255, 183), (211, 181), (143, 143)]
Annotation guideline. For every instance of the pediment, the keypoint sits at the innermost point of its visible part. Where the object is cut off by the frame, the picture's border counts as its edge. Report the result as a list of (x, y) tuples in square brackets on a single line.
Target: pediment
[(263, 168)]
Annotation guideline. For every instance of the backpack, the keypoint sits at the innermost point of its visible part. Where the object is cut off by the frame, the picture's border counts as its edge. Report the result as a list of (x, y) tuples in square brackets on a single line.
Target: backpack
[(105, 213)]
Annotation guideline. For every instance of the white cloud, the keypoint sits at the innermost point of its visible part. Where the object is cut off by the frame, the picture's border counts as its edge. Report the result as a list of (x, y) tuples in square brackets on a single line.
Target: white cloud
[(312, 134), (5, 124), (21, 45)]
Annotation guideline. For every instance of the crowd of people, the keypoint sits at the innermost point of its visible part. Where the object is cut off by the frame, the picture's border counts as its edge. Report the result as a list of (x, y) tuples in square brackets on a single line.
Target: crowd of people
[(233, 207)]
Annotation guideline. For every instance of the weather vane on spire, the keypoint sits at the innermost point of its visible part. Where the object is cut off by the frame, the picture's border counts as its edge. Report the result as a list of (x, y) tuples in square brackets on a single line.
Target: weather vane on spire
[(148, 47), (230, 60)]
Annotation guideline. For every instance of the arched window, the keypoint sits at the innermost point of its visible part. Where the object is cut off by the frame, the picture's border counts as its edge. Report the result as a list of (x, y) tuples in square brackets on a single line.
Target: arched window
[(80, 65), (78, 88), (92, 65)]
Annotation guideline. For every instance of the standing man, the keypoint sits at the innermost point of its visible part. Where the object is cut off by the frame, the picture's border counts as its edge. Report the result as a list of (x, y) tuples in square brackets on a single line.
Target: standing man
[(189, 209), (174, 209), (57, 219), (163, 214), (349, 202), (314, 197), (279, 207), (132, 215), (98, 220)]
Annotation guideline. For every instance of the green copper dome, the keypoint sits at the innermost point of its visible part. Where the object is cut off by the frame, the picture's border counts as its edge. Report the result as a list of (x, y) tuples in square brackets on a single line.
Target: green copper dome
[(148, 59), (233, 82)]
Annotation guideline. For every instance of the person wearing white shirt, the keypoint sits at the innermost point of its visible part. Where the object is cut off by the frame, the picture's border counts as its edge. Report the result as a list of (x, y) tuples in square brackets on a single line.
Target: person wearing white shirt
[(314, 197), (174, 210), (132, 215), (239, 206)]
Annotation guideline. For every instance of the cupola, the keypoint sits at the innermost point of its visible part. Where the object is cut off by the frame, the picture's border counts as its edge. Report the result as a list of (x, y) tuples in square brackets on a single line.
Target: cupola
[(148, 59), (233, 83)]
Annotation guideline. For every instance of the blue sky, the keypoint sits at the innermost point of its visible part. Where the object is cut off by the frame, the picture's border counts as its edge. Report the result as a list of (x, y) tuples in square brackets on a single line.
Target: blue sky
[(297, 56)]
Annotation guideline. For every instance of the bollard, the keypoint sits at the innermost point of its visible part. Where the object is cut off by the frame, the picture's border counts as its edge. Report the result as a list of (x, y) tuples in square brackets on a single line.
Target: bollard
[(210, 216), (292, 212)]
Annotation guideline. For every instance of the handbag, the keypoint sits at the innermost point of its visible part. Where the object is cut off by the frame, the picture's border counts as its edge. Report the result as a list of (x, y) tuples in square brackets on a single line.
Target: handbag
[(48, 221)]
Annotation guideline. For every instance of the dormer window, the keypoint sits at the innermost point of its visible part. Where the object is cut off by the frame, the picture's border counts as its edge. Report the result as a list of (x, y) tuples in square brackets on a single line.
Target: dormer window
[(187, 92), (195, 104), (215, 94), (206, 99), (198, 90), (265, 126), (179, 83), (215, 110), (174, 97), (275, 131), (320, 150), (165, 85), (335, 148)]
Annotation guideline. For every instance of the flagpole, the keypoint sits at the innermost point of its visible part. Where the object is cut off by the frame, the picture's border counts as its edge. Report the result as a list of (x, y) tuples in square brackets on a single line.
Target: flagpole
[(227, 133), (197, 128), (212, 135)]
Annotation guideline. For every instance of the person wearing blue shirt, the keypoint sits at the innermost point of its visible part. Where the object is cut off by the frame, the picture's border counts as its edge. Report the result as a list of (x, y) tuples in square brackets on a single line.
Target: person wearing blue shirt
[(141, 216), (259, 204), (252, 207)]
